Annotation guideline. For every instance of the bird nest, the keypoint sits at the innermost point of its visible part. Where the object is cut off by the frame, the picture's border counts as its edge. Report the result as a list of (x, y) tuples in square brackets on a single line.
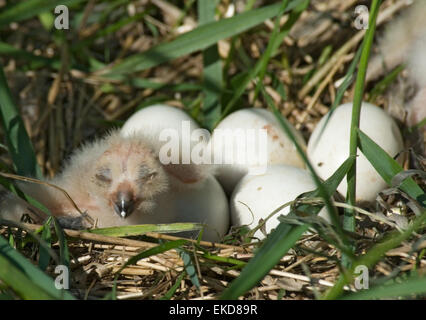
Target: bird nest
[(203, 270), (80, 105)]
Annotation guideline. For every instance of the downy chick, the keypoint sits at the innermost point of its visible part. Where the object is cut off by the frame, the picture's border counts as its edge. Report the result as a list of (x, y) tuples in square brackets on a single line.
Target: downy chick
[(110, 175), (398, 38), (119, 180), (404, 41)]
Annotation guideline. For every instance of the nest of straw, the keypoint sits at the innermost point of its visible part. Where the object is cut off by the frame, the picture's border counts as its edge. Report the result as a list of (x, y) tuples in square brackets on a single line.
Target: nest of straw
[(62, 109)]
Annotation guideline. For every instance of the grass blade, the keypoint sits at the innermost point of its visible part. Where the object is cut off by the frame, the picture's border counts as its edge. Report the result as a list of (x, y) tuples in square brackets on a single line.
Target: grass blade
[(388, 168), (136, 230), (284, 236), (277, 244), (381, 86), (189, 267), (349, 217), (20, 283), (34, 61), (331, 184), (347, 81), (25, 278), (64, 254), (198, 39), (19, 144), (374, 255), (277, 37), (44, 255), (212, 86), (30, 8), (273, 44), (169, 294), (275, 247), (321, 189), (409, 287)]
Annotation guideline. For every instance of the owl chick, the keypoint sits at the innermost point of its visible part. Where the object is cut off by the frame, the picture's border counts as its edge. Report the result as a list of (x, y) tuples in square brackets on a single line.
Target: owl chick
[(404, 42), (399, 36), (119, 180)]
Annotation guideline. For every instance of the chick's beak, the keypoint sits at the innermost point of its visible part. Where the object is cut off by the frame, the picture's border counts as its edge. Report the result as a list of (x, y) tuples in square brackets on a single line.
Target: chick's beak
[(123, 205)]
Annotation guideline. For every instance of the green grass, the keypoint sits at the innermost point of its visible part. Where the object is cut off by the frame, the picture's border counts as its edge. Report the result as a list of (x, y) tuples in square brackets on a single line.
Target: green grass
[(260, 68), (18, 142), (135, 230), (212, 65), (349, 219), (28, 281), (209, 99), (28, 9), (198, 39)]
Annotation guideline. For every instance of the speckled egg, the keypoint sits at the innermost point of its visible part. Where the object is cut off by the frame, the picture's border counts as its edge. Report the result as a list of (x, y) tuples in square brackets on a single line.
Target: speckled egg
[(269, 143)]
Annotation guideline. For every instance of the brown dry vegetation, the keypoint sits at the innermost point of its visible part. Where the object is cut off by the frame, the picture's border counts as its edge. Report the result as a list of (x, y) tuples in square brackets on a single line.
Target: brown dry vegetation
[(62, 108)]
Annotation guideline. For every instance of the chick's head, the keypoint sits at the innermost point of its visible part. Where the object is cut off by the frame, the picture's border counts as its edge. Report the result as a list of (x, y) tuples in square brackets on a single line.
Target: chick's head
[(129, 176)]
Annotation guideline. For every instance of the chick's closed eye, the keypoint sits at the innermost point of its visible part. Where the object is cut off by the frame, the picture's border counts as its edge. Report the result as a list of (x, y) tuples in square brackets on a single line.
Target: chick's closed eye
[(145, 173), (103, 176)]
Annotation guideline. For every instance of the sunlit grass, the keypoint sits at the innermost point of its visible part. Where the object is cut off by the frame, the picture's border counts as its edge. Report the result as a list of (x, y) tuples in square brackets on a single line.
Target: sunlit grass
[(218, 96)]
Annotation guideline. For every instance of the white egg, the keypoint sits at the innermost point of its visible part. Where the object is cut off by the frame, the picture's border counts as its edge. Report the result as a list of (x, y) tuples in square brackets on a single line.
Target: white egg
[(153, 120), (245, 128), (329, 150), (204, 203), (256, 196)]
